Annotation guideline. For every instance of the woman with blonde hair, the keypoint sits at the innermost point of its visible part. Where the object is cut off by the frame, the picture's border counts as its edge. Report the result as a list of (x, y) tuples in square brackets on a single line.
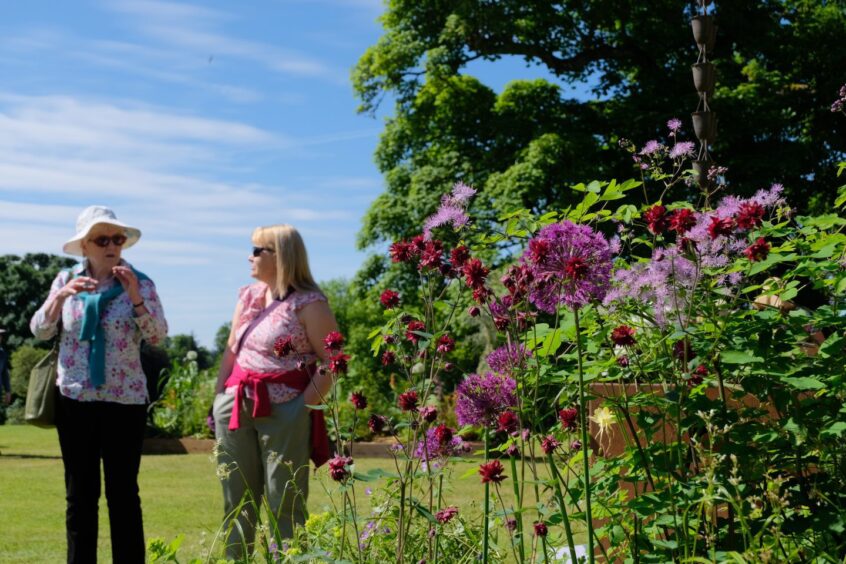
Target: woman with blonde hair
[(268, 377)]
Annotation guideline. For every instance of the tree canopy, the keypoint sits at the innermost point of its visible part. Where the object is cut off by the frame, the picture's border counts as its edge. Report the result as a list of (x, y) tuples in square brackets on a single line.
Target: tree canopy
[(24, 285), (779, 65)]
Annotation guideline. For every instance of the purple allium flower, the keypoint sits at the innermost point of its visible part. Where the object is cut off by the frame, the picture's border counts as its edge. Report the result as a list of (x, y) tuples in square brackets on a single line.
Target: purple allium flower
[(674, 125), (481, 398), (508, 358), (440, 445), (574, 268), (682, 150)]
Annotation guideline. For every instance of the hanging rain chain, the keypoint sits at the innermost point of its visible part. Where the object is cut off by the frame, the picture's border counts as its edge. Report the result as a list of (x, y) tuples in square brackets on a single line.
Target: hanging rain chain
[(704, 78)]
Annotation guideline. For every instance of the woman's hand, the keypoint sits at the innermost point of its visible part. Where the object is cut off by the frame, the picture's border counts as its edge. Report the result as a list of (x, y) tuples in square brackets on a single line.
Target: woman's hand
[(75, 286), (129, 281)]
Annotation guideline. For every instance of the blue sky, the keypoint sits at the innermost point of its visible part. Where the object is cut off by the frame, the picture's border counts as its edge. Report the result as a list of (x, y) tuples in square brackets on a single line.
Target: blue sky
[(196, 122)]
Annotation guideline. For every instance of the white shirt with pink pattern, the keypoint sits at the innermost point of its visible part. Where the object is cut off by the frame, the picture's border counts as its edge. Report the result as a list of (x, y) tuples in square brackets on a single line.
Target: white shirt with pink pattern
[(125, 381), (256, 351)]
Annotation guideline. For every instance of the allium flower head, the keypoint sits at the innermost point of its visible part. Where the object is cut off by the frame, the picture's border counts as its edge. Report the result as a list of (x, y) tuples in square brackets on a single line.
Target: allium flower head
[(508, 358), (481, 398), (575, 270), (492, 472)]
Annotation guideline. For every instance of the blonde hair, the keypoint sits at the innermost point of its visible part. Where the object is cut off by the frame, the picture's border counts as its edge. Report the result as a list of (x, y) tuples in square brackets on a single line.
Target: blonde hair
[(292, 268)]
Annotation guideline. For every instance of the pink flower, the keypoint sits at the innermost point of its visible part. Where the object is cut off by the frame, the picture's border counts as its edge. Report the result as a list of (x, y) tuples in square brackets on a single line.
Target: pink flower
[(428, 413), (358, 400), (569, 418), (338, 363), (549, 444), (445, 344), (339, 468), (446, 514), (283, 346)]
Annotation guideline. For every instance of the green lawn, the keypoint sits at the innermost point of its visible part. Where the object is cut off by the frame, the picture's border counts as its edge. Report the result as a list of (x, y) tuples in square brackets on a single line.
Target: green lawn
[(180, 495)]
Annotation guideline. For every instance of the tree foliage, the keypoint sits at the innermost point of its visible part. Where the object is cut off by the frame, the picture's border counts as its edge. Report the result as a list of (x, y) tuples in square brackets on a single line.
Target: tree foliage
[(24, 285), (779, 65)]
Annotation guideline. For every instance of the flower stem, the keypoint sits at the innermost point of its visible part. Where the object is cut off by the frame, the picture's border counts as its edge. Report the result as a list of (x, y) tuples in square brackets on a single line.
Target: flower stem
[(585, 445), (519, 501), (487, 505), (564, 518)]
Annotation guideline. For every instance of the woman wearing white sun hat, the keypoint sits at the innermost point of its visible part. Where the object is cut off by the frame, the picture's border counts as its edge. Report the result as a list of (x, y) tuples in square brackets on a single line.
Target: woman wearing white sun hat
[(106, 309)]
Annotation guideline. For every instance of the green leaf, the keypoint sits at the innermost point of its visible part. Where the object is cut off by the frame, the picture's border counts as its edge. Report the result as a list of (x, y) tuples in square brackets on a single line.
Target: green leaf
[(803, 383), (836, 429), (739, 357)]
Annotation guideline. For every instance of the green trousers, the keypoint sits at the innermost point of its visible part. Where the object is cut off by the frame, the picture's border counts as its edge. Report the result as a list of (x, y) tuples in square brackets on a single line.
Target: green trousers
[(265, 460)]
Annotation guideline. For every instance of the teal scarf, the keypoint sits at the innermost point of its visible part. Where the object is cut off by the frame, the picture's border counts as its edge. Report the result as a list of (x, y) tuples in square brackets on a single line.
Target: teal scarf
[(92, 327)]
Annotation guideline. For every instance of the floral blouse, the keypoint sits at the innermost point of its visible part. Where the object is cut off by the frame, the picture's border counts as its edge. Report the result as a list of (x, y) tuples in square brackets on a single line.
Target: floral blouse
[(125, 381), (256, 347)]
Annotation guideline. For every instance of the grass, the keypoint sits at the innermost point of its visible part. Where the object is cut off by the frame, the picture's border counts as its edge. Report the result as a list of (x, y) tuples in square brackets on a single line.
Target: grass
[(180, 494)]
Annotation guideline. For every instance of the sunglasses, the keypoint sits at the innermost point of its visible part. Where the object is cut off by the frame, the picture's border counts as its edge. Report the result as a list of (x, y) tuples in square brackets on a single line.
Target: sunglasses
[(103, 240), (258, 250)]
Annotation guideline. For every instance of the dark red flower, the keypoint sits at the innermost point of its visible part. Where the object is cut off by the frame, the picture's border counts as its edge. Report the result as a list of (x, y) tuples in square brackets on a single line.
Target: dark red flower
[(541, 529), (458, 256), (339, 468), (407, 400), (492, 472), (623, 336), (388, 358), (445, 344), (507, 422), (474, 311), (549, 444), (720, 226), (750, 215), (656, 219), (511, 524), (401, 251), (431, 255), (444, 435), (338, 363), (682, 220), (418, 244), (333, 341), (448, 366), (481, 295), (376, 423), (446, 514), (358, 400), (389, 299), (414, 326), (538, 250), (623, 361), (576, 268), (513, 451), (698, 375), (475, 273), (683, 351), (569, 418), (576, 445), (428, 413), (757, 250), (686, 245), (283, 346)]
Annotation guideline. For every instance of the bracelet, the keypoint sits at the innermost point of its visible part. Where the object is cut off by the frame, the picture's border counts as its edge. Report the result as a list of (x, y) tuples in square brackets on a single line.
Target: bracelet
[(139, 304)]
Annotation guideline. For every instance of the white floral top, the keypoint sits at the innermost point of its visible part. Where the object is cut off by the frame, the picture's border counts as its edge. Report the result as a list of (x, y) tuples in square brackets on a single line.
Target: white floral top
[(125, 381), (256, 352)]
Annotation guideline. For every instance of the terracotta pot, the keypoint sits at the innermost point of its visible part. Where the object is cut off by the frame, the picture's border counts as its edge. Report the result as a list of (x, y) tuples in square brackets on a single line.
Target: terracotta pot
[(704, 31), (704, 78), (705, 126)]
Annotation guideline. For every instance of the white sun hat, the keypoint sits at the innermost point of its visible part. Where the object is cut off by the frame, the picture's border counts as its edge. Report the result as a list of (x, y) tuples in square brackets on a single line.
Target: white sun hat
[(94, 215)]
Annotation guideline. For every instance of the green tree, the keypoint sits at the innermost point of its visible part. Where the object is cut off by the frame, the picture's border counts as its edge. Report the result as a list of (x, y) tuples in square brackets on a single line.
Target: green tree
[(23, 361), (779, 65), (24, 285), (178, 348), (221, 338)]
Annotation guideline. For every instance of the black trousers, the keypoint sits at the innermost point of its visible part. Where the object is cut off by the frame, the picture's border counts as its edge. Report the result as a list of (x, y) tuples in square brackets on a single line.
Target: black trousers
[(113, 432)]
